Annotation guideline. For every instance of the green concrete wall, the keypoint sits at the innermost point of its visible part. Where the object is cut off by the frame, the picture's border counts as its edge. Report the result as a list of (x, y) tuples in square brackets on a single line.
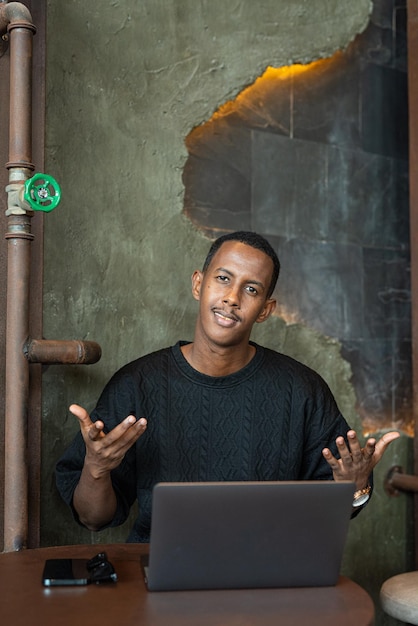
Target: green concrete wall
[(126, 82)]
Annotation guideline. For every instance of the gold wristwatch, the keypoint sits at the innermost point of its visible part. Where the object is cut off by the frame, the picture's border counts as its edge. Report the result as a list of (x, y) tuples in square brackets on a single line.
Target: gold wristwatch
[(361, 496)]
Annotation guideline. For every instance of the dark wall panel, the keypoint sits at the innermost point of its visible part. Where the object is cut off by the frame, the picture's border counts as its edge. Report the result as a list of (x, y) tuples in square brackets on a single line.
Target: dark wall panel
[(317, 161)]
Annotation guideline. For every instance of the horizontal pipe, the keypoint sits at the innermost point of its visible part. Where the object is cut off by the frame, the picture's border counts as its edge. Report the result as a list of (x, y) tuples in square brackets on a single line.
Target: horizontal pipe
[(396, 481), (69, 352)]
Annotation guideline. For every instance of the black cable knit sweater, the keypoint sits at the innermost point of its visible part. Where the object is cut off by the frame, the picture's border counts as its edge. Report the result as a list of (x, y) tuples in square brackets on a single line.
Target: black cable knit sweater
[(268, 421)]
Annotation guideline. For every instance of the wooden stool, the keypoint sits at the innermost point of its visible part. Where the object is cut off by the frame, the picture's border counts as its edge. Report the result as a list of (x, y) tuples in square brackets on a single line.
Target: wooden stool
[(399, 597)]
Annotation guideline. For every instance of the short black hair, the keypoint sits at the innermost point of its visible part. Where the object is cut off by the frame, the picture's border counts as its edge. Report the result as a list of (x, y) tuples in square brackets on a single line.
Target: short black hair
[(254, 240)]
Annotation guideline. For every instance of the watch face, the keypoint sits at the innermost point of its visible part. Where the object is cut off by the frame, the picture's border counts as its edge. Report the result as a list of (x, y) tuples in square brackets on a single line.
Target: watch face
[(362, 499)]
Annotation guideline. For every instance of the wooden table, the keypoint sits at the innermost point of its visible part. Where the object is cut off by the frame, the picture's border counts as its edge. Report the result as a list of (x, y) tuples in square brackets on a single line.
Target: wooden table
[(24, 600)]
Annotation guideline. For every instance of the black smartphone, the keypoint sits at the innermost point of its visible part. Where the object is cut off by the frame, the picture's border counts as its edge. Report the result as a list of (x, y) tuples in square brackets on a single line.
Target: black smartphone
[(65, 572)]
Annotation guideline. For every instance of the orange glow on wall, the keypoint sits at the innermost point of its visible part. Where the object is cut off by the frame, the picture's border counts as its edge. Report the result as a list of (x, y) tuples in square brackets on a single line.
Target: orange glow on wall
[(274, 75)]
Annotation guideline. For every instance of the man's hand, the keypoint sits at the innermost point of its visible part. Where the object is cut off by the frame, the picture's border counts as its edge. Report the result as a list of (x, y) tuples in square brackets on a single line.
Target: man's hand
[(356, 463), (94, 497), (104, 452)]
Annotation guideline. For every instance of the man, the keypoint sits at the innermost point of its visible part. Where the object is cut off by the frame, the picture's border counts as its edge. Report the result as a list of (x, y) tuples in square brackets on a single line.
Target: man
[(218, 408)]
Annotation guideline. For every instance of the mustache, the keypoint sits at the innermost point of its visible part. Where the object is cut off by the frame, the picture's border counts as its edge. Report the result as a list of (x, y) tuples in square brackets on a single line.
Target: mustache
[(229, 314)]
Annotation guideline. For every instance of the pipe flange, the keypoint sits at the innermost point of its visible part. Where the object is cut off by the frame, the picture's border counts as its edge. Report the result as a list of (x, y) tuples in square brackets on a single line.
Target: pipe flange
[(22, 24), (20, 166)]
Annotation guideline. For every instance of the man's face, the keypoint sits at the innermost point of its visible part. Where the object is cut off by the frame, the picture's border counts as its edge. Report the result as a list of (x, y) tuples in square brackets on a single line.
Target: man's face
[(233, 293)]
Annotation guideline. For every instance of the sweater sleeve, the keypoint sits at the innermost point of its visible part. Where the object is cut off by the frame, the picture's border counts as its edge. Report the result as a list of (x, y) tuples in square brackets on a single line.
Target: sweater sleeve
[(115, 403), (323, 423)]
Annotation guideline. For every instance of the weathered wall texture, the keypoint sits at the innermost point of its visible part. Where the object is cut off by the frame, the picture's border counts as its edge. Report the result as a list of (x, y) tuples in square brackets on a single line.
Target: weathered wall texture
[(314, 157), (126, 82)]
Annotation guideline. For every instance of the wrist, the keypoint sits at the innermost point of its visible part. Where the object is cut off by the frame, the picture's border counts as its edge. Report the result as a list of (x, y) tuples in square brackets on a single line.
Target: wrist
[(94, 473)]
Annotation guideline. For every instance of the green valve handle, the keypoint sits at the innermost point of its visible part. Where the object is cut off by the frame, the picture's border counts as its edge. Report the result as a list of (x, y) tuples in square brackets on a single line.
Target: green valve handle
[(42, 192)]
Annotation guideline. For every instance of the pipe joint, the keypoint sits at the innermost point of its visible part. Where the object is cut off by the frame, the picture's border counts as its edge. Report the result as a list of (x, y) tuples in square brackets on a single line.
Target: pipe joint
[(19, 227), (15, 14), (16, 203)]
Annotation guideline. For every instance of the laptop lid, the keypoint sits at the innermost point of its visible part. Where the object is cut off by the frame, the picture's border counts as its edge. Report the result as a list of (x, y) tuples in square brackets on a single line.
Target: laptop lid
[(231, 535)]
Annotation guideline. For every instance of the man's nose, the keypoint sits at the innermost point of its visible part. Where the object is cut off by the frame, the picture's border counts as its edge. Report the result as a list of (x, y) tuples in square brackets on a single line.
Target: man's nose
[(231, 298)]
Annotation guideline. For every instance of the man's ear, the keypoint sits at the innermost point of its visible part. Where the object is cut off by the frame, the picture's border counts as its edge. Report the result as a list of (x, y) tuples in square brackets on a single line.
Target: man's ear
[(268, 309), (197, 278)]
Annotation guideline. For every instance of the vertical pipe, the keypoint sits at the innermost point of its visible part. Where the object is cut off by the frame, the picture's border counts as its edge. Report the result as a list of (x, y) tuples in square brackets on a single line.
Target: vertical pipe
[(20, 123), (17, 385), (19, 238)]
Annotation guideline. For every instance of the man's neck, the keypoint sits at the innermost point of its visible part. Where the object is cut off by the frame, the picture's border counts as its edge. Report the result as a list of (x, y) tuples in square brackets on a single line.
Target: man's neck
[(217, 360)]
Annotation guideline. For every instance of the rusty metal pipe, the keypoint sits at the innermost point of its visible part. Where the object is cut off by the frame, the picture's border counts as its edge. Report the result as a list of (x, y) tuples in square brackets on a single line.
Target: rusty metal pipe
[(17, 20), (20, 30), (13, 12), (20, 124), (54, 351), (17, 384), (397, 482), (21, 350)]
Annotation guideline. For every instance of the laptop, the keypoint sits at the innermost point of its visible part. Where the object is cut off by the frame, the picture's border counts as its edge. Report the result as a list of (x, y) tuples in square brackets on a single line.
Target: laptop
[(235, 535)]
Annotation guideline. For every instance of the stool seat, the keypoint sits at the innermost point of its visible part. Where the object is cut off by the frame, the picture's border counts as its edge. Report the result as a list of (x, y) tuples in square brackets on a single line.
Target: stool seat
[(399, 597)]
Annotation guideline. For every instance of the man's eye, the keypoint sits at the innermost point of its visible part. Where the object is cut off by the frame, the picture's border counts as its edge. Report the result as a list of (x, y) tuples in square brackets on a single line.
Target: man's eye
[(252, 290), (222, 279)]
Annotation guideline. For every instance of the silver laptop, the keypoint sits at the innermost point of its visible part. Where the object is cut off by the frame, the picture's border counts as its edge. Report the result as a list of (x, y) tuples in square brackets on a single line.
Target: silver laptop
[(234, 535)]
